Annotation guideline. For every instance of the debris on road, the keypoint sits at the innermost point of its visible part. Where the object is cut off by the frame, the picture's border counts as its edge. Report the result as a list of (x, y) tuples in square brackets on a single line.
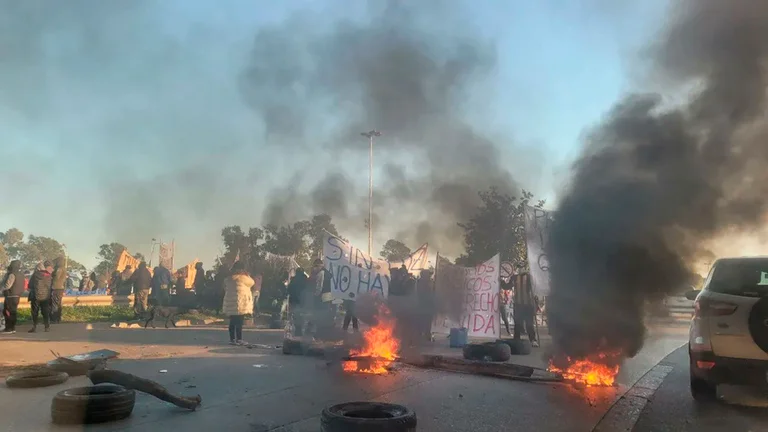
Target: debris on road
[(163, 370), (509, 371), (94, 404), (143, 385), (79, 364), (261, 346)]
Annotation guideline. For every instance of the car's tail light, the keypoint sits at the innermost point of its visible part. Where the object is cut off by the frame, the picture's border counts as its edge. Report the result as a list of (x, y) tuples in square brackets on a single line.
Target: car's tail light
[(704, 307)]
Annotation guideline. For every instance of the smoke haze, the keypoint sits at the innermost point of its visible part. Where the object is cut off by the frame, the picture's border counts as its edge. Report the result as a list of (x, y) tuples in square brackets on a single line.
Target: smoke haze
[(396, 71), (183, 129), (656, 181)]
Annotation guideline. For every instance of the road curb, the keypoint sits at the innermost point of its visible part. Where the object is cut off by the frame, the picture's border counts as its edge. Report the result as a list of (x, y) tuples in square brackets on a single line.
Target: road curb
[(625, 412)]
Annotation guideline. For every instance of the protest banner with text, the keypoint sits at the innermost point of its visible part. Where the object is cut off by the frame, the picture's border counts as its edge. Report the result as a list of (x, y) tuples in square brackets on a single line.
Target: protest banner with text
[(478, 289), (415, 262), (353, 272), (537, 225)]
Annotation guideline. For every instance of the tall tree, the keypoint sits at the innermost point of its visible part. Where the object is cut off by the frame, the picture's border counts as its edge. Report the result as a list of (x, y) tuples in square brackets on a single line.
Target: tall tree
[(109, 254), (498, 226), (4, 260), (395, 250), (318, 226), (12, 240)]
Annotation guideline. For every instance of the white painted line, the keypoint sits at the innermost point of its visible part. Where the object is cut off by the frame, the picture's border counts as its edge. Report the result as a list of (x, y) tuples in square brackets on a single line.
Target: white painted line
[(624, 413)]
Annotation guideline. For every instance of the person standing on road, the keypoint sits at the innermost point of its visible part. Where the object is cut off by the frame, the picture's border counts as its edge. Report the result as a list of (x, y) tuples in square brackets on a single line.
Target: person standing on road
[(238, 301), (58, 285), (300, 298), (504, 293), (13, 288), (325, 311), (525, 306), (40, 295), (124, 288), (141, 280), (161, 284)]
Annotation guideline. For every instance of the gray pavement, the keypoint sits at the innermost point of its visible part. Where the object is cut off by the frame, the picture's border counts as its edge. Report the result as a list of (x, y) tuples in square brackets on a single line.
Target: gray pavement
[(260, 390), (671, 408)]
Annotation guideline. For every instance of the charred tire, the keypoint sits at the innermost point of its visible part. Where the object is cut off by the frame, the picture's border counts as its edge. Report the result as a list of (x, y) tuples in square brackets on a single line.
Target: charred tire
[(367, 416), (495, 351), (94, 404), (34, 379), (758, 323), (517, 346), (292, 347)]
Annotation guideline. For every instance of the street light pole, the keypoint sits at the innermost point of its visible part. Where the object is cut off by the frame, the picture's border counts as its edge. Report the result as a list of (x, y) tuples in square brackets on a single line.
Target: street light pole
[(370, 135)]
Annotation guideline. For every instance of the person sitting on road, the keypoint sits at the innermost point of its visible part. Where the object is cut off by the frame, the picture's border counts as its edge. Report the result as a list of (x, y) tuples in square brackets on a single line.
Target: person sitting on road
[(238, 301)]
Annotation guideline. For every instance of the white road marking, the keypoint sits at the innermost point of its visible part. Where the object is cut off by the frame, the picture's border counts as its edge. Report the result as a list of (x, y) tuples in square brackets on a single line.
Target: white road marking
[(624, 413)]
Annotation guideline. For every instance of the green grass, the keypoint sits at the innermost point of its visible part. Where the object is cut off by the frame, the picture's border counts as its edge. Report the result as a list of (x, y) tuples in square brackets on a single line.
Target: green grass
[(86, 314)]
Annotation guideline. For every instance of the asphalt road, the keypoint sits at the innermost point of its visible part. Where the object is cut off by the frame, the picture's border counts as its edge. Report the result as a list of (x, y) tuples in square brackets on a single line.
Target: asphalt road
[(671, 407), (263, 390)]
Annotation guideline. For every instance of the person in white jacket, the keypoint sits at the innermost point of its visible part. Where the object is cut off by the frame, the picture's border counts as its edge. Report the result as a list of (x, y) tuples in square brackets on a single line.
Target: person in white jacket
[(238, 301)]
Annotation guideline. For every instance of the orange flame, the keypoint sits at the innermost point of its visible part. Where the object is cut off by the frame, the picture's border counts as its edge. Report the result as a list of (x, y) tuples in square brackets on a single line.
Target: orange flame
[(380, 345), (595, 372)]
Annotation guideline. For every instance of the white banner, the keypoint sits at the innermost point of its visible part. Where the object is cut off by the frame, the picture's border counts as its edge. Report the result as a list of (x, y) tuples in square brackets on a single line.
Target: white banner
[(416, 261), (352, 271), (537, 224), (480, 299)]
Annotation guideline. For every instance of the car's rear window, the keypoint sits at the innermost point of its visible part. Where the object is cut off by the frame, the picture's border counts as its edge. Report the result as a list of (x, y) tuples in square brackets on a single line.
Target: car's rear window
[(745, 277)]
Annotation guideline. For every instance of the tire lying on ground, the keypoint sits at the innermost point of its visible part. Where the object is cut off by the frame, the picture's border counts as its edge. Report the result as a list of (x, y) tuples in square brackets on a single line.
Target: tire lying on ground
[(494, 351), (33, 379), (94, 404), (367, 417), (517, 346), (292, 347)]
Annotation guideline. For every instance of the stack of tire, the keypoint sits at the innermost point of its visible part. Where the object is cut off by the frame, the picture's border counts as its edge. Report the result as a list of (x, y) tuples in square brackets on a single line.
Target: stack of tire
[(81, 405)]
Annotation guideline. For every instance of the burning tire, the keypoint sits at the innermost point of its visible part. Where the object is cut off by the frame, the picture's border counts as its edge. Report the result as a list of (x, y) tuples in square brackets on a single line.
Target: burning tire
[(34, 379), (94, 404), (367, 417), (494, 351), (517, 346)]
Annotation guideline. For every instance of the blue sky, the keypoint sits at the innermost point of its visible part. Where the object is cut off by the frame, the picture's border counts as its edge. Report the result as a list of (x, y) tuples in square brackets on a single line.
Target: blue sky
[(105, 104)]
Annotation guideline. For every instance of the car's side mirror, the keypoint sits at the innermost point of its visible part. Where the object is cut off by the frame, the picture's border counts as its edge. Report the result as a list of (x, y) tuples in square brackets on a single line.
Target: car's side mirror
[(692, 294)]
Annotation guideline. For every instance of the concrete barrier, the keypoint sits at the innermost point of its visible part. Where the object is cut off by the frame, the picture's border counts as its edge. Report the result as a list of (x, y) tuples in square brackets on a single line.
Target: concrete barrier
[(89, 300)]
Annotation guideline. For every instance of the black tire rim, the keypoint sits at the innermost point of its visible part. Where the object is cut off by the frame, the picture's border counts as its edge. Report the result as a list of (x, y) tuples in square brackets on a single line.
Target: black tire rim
[(370, 411)]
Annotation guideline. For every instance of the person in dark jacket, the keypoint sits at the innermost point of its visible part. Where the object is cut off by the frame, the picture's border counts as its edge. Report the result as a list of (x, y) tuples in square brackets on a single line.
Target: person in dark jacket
[(58, 285), (12, 288), (161, 285), (114, 283), (40, 295), (124, 288), (524, 312), (97, 285), (300, 297), (141, 280)]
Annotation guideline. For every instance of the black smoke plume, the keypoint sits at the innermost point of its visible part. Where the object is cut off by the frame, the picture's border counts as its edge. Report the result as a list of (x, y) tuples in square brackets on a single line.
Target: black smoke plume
[(657, 179), (404, 70)]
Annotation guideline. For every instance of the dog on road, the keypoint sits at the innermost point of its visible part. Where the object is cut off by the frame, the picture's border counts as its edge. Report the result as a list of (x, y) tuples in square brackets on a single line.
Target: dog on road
[(168, 313)]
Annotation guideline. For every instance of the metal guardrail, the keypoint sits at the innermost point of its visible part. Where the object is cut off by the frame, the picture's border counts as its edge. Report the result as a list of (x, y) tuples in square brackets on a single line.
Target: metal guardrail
[(89, 300)]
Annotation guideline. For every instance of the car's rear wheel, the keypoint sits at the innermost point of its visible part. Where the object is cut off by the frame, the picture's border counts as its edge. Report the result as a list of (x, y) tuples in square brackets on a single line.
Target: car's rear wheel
[(703, 391)]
